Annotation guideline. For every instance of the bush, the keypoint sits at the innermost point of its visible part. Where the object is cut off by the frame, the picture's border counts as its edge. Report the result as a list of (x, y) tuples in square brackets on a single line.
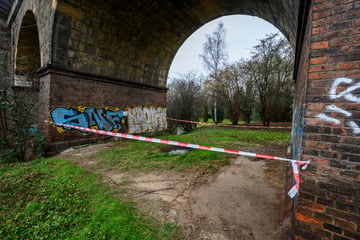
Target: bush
[(20, 140)]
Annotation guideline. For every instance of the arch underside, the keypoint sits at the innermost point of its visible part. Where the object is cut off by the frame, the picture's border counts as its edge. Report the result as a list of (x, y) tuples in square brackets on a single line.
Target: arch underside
[(27, 58), (135, 41), (28, 47)]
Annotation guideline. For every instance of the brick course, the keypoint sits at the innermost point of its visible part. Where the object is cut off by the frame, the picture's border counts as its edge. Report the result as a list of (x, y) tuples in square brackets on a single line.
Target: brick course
[(328, 205)]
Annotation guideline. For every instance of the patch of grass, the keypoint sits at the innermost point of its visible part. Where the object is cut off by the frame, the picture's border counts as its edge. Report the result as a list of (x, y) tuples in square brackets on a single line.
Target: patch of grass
[(225, 137), (225, 121), (54, 199), (139, 155), (145, 156)]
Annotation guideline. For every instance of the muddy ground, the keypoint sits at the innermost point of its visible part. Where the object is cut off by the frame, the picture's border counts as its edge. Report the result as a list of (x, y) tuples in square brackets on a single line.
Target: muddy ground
[(241, 201)]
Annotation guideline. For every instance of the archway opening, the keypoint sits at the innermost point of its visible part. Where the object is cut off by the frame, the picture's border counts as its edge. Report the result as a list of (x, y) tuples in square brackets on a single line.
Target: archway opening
[(272, 174), (27, 59), (243, 45)]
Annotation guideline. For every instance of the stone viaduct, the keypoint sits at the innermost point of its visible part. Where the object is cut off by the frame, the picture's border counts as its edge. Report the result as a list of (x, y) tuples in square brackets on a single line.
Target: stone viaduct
[(93, 59)]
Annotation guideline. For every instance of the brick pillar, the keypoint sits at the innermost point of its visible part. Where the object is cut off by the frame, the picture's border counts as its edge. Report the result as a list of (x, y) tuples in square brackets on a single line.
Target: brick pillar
[(328, 206), (61, 88)]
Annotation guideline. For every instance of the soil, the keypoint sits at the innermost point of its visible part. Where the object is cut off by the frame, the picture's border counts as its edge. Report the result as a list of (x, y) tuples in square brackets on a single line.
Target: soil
[(241, 201)]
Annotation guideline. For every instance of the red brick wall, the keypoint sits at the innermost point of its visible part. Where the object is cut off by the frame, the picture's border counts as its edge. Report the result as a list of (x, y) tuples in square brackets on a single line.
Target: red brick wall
[(61, 88), (328, 206)]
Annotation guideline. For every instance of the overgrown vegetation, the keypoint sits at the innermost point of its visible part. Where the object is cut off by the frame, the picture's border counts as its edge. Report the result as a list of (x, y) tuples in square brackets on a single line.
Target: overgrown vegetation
[(20, 140), (54, 199)]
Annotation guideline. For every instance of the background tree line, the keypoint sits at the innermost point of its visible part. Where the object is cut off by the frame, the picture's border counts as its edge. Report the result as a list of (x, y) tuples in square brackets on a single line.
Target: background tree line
[(259, 88)]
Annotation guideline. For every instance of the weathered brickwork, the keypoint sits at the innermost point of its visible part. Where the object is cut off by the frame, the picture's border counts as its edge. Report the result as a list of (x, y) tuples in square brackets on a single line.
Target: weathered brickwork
[(329, 204), (60, 88), (44, 12), (136, 41)]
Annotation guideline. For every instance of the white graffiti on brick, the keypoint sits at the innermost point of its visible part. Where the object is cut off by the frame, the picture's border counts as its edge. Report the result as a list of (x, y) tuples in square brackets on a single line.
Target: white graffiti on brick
[(326, 118), (146, 119), (347, 93)]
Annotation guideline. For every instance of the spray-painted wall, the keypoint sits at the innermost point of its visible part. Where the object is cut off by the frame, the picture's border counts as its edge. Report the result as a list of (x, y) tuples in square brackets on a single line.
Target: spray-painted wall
[(334, 112), (132, 120), (96, 102)]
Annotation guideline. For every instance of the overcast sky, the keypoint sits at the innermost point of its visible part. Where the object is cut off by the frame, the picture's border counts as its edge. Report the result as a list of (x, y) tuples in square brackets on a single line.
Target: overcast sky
[(242, 33)]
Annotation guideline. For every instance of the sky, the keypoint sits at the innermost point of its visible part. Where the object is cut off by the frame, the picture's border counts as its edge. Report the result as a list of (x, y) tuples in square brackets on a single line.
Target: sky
[(242, 33)]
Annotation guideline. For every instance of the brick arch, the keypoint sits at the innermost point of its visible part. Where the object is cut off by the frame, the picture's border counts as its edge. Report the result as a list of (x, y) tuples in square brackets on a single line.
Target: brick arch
[(27, 58), (136, 41)]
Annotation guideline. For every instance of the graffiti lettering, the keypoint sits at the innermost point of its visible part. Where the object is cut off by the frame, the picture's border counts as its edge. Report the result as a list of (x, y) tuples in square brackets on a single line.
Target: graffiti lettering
[(89, 118), (348, 95)]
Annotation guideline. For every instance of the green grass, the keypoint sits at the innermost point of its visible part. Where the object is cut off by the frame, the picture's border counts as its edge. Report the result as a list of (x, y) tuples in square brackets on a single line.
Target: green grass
[(144, 156), (137, 155), (235, 137), (54, 199)]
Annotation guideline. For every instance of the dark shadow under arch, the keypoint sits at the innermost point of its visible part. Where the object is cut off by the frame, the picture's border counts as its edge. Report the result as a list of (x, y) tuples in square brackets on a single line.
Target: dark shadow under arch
[(28, 47)]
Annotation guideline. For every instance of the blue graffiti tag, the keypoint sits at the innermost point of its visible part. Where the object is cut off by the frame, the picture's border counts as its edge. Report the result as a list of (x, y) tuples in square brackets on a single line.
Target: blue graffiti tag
[(91, 117)]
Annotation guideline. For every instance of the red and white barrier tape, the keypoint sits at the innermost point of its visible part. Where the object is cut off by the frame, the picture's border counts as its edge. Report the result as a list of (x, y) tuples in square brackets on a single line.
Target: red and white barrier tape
[(295, 189), (295, 163), (238, 126)]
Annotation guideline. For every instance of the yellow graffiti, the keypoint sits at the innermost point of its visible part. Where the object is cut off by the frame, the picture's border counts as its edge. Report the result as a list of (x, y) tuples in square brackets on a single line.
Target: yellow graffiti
[(60, 130), (81, 108)]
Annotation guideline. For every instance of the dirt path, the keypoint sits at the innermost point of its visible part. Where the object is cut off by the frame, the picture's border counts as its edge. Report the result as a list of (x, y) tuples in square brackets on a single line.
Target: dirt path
[(242, 201)]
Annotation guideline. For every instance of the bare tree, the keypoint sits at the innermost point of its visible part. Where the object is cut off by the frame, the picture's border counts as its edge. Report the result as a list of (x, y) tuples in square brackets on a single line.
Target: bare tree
[(271, 70), (214, 56), (230, 89), (184, 99), (236, 92)]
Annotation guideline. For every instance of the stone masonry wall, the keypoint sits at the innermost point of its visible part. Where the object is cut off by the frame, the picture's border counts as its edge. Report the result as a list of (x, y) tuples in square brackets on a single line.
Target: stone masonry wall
[(5, 53), (137, 40), (44, 12), (104, 39), (329, 202)]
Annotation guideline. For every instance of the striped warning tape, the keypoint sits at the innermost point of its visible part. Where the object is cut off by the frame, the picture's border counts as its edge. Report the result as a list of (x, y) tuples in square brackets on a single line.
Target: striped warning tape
[(190, 145), (222, 125), (295, 189)]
